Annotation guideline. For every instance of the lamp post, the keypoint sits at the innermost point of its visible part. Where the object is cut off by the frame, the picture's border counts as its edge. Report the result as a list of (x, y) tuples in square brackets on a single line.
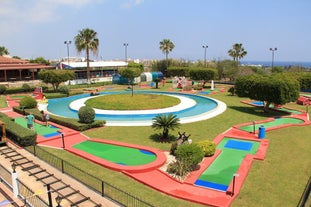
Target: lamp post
[(273, 50), (205, 47), (67, 43), (125, 50), (63, 139), (14, 180), (233, 185), (58, 199)]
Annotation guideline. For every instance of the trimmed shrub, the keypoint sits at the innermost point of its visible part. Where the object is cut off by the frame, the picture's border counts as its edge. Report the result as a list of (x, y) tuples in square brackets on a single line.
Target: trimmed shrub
[(173, 148), (208, 147), (231, 90), (64, 89), (67, 122), (86, 114), (28, 102), (17, 133), (26, 87), (2, 89), (192, 154)]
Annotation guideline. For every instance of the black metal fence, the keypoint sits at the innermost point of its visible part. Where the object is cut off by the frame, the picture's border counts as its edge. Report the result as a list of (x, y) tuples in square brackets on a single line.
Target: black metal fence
[(98, 185), (31, 198)]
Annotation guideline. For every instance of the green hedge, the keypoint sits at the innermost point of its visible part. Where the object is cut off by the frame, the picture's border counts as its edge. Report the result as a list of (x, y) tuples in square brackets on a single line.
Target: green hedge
[(17, 133), (67, 122)]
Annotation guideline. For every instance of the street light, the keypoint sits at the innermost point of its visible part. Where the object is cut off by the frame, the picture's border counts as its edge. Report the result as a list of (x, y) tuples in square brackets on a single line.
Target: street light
[(125, 48), (58, 199), (67, 43), (273, 49), (205, 47), (233, 186), (13, 167)]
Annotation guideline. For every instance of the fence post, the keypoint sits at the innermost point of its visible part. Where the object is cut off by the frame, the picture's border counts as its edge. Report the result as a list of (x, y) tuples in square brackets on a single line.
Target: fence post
[(63, 166), (103, 188), (34, 150)]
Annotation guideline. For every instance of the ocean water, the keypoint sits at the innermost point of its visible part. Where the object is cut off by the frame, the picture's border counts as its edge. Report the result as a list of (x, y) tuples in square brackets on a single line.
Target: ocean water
[(277, 63)]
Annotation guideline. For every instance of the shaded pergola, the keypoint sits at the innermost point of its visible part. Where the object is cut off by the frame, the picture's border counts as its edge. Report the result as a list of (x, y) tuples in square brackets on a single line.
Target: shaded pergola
[(12, 69)]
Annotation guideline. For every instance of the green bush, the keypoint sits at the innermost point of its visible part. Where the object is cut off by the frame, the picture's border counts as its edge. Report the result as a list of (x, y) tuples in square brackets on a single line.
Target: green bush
[(20, 135), (86, 114), (67, 122), (173, 148), (208, 147), (28, 102), (13, 90), (26, 87), (231, 91), (192, 154), (198, 87), (64, 89), (188, 156), (2, 89)]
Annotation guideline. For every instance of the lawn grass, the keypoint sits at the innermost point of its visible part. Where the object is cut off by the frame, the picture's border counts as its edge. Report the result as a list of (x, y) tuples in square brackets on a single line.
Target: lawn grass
[(129, 102), (3, 103), (279, 180)]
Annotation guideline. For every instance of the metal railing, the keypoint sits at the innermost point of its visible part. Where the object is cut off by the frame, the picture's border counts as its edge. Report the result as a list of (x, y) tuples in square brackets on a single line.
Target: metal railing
[(25, 194), (96, 184)]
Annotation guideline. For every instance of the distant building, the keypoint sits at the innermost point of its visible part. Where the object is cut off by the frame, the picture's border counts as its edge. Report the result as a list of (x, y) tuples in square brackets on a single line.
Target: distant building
[(12, 69), (100, 71)]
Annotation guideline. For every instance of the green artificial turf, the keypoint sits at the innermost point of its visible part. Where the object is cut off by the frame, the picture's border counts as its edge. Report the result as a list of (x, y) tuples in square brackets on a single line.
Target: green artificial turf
[(38, 128), (116, 154), (274, 123), (227, 163)]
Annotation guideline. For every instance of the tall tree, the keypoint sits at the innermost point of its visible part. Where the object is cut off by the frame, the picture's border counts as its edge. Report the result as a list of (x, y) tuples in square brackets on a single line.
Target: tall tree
[(237, 52), (56, 77), (166, 46), (3, 51), (277, 89), (87, 40), (165, 122)]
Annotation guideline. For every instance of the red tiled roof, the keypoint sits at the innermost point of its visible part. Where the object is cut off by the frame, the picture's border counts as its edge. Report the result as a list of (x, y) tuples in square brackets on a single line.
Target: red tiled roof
[(7, 63), (8, 60)]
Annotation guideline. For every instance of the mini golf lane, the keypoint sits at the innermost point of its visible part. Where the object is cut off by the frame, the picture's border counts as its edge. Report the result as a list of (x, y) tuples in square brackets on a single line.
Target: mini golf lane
[(45, 132), (219, 174), (119, 156), (272, 123)]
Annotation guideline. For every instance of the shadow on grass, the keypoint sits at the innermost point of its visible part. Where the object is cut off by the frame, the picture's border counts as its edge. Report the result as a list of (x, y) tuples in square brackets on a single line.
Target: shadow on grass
[(259, 111), (158, 138)]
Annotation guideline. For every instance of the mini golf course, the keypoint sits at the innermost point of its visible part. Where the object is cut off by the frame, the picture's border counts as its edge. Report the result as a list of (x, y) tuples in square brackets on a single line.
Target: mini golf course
[(117, 154), (46, 132), (219, 174), (236, 150), (276, 122)]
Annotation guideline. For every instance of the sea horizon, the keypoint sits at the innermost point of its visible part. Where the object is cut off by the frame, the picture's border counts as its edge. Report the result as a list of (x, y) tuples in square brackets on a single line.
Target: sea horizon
[(305, 64)]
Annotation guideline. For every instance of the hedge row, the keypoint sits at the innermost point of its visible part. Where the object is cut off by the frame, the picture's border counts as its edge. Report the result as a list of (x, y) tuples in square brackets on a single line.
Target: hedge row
[(17, 133), (67, 122)]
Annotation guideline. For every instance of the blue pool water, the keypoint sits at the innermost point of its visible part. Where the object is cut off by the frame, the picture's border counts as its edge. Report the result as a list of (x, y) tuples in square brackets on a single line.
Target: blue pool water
[(60, 106)]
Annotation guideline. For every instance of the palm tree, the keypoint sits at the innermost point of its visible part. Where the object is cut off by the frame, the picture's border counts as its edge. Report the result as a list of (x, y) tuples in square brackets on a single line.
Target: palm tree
[(165, 122), (3, 51), (87, 40), (166, 46), (237, 52)]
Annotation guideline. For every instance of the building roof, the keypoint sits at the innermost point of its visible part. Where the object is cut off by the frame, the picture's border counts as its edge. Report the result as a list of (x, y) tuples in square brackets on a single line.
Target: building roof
[(94, 64), (8, 60), (7, 63)]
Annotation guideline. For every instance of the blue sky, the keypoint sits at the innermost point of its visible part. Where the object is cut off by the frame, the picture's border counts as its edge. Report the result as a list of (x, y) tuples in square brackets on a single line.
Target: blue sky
[(34, 28)]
